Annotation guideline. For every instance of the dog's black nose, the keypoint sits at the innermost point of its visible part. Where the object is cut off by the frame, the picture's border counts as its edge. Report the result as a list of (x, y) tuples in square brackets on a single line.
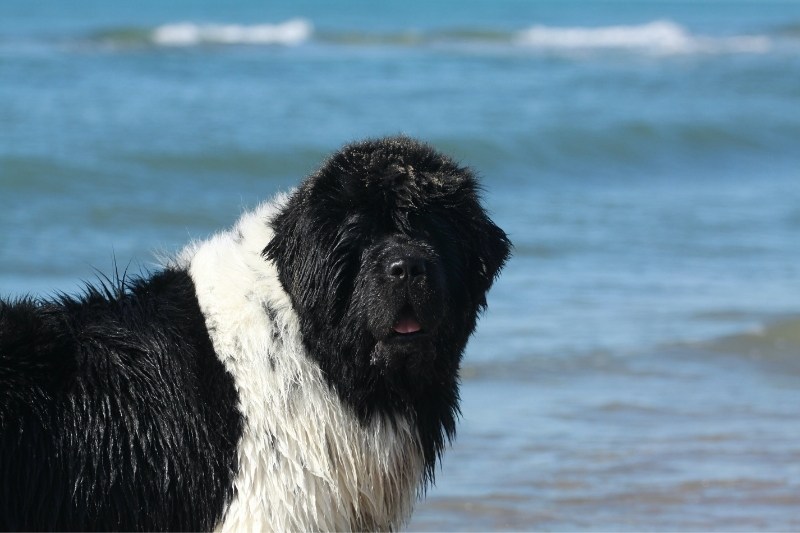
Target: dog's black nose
[(406, 268)]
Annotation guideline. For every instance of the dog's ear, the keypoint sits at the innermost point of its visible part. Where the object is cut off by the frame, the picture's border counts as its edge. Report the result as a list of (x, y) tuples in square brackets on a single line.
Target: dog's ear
[(485, 245), (491, 249), (284, 250), (299, 264), (307, 250), (494, 250)]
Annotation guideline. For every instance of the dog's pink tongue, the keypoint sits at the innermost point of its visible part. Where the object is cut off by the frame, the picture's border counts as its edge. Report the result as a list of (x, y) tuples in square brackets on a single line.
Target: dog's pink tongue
[(407, 325)]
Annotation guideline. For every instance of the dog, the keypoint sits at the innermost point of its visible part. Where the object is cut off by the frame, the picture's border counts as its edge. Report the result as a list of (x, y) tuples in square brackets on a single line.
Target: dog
[(297, 372)]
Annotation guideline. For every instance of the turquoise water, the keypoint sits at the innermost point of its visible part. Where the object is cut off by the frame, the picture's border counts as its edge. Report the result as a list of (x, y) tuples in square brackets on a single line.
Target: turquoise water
[(639, 365)]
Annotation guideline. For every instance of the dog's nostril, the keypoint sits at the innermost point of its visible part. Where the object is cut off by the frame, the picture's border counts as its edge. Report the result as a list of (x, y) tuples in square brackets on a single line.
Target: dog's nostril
[(398, 269), (406, 268)]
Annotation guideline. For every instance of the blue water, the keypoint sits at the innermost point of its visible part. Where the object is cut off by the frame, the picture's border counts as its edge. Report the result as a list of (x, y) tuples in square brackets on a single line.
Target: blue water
[(639, 364)]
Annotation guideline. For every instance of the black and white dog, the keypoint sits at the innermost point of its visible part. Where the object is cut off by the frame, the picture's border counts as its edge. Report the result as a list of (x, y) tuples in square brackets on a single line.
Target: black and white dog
[(298, 372)]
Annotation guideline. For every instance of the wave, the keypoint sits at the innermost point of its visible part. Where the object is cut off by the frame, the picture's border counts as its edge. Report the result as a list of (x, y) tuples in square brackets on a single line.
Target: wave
[(186, 34), (292, 32), (774, 345), (635, 149), (662, 37), (779, 340)]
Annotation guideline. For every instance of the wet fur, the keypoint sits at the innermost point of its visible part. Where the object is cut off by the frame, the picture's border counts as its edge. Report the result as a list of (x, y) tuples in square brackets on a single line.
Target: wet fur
[(256, 380)]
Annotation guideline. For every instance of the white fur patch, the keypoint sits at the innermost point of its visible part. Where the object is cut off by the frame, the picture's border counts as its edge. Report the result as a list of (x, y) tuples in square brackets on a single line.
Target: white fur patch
[(305, 463)]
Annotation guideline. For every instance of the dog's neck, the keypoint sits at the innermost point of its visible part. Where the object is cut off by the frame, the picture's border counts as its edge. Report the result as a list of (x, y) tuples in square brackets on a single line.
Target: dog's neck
[(305, 461)]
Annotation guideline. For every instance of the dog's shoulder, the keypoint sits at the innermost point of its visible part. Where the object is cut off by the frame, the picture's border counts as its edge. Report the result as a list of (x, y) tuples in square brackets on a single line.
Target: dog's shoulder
[(119, 386)]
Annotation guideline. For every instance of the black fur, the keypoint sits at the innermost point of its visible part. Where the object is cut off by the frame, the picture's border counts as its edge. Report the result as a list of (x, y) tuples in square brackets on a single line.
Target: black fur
[(115, 413), (370, 205)]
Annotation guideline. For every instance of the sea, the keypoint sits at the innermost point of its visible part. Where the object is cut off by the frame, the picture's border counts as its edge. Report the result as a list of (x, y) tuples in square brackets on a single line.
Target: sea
[(638, 367)]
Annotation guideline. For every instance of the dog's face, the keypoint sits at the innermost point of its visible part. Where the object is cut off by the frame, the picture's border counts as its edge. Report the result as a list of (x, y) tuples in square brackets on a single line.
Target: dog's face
[(387, 255), (400, 296)]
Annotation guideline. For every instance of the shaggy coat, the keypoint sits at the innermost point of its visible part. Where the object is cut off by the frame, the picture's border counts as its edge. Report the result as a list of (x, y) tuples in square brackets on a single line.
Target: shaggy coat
[(298, 372)]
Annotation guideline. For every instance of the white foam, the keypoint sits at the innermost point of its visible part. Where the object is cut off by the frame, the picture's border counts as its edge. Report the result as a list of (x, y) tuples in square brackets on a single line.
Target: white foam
[(662, 37), (291, 32)]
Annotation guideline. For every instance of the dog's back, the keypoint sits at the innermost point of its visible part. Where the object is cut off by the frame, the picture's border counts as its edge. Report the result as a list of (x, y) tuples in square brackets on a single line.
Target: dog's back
[(114, 412)]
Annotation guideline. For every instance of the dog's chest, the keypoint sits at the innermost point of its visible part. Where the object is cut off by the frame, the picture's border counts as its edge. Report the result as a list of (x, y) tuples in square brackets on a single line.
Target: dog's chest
[(304, 461)]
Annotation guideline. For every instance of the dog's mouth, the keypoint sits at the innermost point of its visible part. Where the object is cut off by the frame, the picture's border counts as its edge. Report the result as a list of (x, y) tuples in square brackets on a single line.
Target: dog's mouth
[(407, 325), (407, 343)]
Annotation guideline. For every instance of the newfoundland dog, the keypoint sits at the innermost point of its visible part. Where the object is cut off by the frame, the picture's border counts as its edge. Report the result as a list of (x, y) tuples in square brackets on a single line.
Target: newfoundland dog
[(298, 372)]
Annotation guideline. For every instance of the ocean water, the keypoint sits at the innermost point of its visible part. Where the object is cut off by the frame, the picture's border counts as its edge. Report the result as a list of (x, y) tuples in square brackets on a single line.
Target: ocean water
[(639, 365)]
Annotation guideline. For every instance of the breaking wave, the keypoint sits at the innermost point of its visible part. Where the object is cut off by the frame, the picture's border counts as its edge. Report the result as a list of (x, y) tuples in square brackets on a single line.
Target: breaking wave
[(661, 37), (291, 32), (187, 34)]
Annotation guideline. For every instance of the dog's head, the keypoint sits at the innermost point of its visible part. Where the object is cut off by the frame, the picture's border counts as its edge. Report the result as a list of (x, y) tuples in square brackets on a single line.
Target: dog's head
[(387, 255)]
